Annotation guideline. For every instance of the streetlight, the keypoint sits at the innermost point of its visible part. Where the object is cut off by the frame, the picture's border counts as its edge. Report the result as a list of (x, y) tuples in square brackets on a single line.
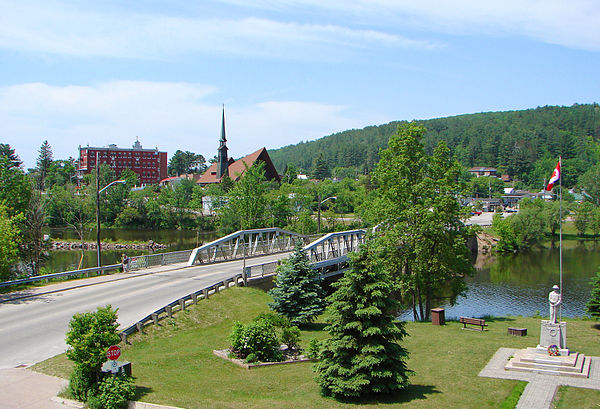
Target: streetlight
[(98, 191), (320, 203)]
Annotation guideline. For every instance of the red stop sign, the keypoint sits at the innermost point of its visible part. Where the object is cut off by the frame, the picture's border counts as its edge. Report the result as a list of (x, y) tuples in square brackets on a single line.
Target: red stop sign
[(113, 353)]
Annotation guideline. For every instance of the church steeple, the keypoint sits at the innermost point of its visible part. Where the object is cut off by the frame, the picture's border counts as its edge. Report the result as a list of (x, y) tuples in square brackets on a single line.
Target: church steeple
[(222, 159)]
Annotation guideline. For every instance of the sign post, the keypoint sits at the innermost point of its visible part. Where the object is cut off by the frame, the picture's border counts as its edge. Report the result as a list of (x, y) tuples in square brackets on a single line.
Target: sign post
[(113, 353)]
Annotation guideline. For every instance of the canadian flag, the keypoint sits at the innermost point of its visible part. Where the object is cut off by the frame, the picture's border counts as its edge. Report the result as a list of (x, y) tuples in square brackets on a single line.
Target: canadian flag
[(555, 177)]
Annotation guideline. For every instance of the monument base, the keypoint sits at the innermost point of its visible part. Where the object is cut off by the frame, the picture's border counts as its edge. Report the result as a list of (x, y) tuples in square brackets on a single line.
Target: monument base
[(533, 360), (554, 334)]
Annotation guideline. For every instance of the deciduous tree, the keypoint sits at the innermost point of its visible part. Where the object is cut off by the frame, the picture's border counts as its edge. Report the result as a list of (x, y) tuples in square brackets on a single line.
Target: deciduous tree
[(419, 219)]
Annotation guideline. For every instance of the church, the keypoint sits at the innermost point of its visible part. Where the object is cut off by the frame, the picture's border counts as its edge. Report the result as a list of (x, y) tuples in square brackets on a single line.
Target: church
[(235, 169)]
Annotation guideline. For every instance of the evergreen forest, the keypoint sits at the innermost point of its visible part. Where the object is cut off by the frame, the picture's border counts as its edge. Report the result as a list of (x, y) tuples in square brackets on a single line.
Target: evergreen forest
[(523, 144)]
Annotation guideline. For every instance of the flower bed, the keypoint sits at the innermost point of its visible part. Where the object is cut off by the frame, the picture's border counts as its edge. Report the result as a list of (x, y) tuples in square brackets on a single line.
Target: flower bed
[(289, 359)]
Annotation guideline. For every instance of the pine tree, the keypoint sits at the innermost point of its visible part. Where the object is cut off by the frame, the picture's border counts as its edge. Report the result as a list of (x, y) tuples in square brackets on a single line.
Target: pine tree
[(297, 292), (593, 305), (363, 354), (44, 161), (320, 168)]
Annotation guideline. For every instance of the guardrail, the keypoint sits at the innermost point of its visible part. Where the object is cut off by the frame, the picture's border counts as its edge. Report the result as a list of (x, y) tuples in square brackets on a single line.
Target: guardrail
[(178, 305), (85, 271)]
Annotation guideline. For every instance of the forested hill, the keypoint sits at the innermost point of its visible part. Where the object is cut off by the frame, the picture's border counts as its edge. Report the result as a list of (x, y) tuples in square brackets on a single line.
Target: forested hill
[(523, 144)]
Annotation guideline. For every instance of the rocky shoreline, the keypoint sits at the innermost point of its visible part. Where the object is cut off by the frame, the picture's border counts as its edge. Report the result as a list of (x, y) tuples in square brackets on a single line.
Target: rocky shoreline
[(76, 245)]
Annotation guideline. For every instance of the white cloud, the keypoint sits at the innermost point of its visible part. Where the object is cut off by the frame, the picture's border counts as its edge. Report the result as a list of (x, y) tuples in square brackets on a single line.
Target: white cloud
[(60, 28), (570, 23), (166, 115)]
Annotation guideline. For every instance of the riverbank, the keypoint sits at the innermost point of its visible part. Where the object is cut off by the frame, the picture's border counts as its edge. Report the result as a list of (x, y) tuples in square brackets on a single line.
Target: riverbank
[(77, 245), (446, 361)]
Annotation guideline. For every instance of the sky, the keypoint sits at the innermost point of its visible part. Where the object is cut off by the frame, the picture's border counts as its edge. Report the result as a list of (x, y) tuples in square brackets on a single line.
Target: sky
[(107, 72)]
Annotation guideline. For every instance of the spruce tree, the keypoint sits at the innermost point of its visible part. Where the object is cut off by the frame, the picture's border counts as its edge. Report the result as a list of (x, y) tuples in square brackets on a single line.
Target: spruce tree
[(363, 355), (297, 292), (44, 161), (593, 304)]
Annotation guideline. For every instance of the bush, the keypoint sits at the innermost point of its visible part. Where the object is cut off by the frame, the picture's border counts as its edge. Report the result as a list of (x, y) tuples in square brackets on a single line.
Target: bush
[(256, 338), (90, 334), (291, 337), (113, 393), (81, 382), (314, 349), (274, 319)]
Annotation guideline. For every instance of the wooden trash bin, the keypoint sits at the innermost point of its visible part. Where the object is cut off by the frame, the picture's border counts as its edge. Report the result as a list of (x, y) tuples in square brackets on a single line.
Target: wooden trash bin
[(438, 316)]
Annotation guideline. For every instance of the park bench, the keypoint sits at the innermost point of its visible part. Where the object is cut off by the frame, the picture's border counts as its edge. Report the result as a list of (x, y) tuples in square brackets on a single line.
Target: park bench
[(473, 321)]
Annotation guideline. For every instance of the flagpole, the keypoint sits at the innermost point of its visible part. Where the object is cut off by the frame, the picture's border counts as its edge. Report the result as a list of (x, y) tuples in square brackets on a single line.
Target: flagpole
[(560, 233)]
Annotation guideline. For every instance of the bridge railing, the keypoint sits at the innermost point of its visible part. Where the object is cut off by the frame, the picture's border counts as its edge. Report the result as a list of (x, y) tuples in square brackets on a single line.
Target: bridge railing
[(64, 274), (335, 245), (160, 259), (245, 244)]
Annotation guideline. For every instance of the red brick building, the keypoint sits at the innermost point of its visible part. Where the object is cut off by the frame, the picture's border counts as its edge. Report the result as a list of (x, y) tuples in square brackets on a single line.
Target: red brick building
[(149, 164)]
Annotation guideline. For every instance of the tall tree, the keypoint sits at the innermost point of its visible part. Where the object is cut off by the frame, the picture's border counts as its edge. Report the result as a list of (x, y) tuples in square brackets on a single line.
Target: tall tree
[(44, 161), (297, 292), (34, 247), (186, 162), (9, 239), (420, 219), (15, 187), (320, 168), (363, 354), (9, 153), (247, 202)]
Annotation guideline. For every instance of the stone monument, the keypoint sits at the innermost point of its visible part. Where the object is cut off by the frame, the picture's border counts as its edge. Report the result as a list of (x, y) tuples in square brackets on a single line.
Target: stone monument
[(551, 355), (552, 331)]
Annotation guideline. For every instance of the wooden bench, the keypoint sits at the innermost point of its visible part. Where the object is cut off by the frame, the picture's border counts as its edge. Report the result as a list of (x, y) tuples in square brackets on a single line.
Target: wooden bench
[(473, 321)]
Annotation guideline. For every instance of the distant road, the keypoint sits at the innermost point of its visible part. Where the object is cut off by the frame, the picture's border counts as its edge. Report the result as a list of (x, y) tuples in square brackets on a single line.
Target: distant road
[(33, 329)]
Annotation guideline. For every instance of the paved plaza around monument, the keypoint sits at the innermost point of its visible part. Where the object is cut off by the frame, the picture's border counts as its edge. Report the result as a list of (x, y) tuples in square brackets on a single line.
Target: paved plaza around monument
[(541, 388)]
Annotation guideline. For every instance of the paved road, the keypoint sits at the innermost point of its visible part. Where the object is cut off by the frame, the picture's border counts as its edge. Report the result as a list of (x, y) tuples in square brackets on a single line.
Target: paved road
[(33, 329)]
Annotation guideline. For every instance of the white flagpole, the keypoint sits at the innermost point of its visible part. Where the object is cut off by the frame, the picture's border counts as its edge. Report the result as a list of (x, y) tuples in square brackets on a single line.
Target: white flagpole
[(560, 233)]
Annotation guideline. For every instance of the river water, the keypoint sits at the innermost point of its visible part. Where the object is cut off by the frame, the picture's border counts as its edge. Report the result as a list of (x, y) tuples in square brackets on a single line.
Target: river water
[(515, 284), (518, 284)]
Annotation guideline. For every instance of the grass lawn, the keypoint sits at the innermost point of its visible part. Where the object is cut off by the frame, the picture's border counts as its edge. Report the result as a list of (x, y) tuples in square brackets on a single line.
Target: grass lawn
[(173, 363)]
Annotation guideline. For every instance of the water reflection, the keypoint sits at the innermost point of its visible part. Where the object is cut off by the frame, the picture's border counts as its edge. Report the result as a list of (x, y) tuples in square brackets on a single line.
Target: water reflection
[(518, 284), (175, 239)]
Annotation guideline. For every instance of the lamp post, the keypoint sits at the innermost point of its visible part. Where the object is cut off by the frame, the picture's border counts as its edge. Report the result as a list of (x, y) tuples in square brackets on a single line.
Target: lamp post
[(320, 203), (98, 191)]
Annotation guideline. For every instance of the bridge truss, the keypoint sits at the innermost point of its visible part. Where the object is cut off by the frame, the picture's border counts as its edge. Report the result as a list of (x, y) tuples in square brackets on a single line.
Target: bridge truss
[(245, 244)]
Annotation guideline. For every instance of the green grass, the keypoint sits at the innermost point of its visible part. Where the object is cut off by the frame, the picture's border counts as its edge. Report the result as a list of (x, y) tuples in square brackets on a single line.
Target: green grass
[(174, 365), (568, 397), (511, 400)]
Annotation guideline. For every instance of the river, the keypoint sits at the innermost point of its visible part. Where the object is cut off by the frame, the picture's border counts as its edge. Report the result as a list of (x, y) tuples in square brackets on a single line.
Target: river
[(515, 284), (518, 284), (175, 239)]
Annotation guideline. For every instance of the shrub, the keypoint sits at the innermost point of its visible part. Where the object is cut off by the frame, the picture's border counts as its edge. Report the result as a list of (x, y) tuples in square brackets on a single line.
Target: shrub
[(256, 338), (81, 382), (291, 337), (89, 336), (113, 393), (274, 319), (314, 349)]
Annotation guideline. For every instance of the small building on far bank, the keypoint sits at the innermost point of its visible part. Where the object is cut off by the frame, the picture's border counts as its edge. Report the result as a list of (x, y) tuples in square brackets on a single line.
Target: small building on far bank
[(479, 171)]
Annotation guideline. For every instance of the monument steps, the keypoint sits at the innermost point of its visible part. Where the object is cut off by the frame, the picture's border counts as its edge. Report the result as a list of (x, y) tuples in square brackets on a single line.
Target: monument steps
[(531, 360)]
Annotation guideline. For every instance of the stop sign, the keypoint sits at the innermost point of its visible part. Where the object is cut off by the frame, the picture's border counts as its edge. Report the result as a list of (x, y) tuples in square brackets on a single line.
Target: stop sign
[(113, 353)]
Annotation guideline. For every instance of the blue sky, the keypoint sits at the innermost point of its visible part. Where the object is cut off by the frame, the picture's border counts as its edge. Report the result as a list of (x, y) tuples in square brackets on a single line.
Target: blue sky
[(81, 72)]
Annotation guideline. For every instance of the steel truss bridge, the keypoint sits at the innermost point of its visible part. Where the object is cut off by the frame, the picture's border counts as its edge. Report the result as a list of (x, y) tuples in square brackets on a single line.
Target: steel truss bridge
[(245, 244)]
